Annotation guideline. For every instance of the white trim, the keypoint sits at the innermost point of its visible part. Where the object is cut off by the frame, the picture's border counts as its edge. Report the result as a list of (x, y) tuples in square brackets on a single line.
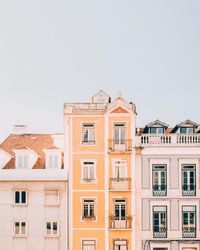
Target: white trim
[(95, 132), (90, 181), (51, 235), (88, 239), (20, 235), (95, 207), (20, 204)]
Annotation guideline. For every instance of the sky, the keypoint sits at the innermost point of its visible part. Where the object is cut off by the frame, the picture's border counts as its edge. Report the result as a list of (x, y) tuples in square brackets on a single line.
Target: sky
[(56, 51)]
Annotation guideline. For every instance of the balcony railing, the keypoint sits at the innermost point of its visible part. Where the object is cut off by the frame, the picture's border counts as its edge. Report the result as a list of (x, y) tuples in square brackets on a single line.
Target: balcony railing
[(120, 184), (168, 139), (159, 190), (188, 190), (189, 232), (122, 223), (120, 145), (160, 232)]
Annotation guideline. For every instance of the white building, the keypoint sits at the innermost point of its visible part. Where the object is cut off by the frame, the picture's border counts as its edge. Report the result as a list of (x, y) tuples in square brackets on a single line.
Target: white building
[(168, 187), (33, 188)]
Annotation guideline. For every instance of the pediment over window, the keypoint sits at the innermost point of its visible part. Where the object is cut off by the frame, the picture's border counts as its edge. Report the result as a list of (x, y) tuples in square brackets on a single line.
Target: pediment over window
[(186, 127), (155, 127), (119, 110)]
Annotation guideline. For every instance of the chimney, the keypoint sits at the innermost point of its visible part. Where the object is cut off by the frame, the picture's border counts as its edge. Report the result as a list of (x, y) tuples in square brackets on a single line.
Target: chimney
[(20, 129)]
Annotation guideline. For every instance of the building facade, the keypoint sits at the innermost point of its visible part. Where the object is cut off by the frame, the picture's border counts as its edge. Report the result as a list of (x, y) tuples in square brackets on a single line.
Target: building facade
[(168, 184), (99, 139), (33, 204), (102, 185)]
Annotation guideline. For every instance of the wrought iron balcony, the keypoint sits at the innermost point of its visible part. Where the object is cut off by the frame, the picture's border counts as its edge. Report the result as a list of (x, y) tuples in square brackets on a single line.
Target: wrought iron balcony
[(120, 184), (159, 190), (122, 223), (188, 190), (88, 217), (160, 232), (120, 145), (189, 232)]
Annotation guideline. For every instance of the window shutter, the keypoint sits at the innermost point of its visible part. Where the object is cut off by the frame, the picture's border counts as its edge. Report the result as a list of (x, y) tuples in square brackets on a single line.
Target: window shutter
[(55, 161), (92, 172), (50, 161), (25, 161), (19, 161), (85, 172)]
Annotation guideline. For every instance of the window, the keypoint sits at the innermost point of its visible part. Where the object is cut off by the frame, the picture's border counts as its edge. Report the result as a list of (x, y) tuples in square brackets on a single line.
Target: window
[(188, 180), (119, 134), (119, 169), (88, 134), (52, 228), (51, 198), (189, 221), (88, 170), (88, 209), (52, 160), (186, 130), (159, 180), (88, 244), (159, 248), (159, 221), (20, 197), (20, 228), (120, 245), (120, 209), (156, 130), (22, 161)]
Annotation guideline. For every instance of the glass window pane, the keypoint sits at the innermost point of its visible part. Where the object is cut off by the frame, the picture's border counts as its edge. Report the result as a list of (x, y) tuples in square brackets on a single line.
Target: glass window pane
[(23, 195), (16, 196)]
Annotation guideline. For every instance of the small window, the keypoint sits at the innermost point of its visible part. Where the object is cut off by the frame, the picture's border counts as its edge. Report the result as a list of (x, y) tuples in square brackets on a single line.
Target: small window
[(88, 244), (120, 245), (159, 221), (88, 209), (186, 130), (88, 136), (20, 197), (51, 198), (52, 160), (88, 171), (20, 228), (52, 228), (22, 161), (156, 130)]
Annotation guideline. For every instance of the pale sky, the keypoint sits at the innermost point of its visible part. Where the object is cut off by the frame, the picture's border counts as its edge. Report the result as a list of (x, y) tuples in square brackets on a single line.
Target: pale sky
[(59, 51)]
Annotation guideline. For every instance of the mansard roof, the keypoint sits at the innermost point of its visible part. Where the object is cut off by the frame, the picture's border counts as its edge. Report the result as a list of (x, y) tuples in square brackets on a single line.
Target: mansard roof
[(157, 123), (35, 142)]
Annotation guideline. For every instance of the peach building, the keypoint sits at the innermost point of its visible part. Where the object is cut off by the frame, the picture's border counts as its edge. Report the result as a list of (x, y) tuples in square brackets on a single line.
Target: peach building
[(33, 187), (99, 139)]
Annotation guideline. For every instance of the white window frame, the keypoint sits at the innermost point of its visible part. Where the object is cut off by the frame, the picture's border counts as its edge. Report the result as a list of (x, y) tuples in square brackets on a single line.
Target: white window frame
[(118, 162), (93, 127), (120, 243), (22, 160), (55, 153), (83, 165), (20, 229), (20, 197), (89, 239), (51, 224), (82, 208)]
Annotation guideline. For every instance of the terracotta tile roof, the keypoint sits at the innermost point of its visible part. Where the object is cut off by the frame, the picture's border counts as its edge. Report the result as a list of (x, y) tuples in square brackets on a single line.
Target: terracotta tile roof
[(35, 142)]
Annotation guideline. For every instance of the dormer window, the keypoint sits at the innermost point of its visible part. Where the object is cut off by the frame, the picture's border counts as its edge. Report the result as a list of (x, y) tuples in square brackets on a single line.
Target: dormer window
[(186, 130), (53, 159), (22, 161), (156, 130)]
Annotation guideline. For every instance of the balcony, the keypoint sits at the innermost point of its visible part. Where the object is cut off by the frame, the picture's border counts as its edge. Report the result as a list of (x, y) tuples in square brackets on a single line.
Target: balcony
[(168, 139), (120, 184), (188, 190), (189, 232), (159, 190), (116, 223), (120, 146), (160, 232)]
